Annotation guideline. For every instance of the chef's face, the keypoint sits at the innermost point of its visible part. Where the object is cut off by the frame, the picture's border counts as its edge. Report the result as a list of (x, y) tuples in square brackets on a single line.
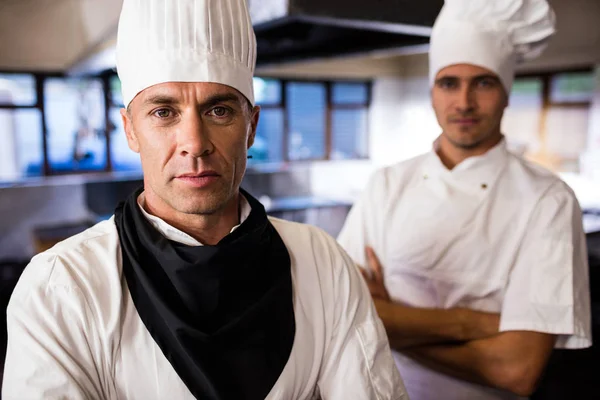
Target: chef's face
[(469, 102), (193, 139)]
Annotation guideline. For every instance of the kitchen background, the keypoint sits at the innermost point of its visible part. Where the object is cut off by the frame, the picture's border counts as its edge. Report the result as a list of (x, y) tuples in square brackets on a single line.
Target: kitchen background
[(343, 88)]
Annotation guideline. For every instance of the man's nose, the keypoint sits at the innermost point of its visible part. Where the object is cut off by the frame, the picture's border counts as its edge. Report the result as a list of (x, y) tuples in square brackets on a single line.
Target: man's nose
[(193, 137), (465, 100)]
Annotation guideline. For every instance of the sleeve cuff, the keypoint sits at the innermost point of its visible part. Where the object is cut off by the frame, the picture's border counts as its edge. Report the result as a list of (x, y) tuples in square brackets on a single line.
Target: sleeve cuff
[(569, 337)]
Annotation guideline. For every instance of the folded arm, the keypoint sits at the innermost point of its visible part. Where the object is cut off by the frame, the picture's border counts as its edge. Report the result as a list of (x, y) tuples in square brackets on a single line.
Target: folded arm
[(513, 361), (412, 326)]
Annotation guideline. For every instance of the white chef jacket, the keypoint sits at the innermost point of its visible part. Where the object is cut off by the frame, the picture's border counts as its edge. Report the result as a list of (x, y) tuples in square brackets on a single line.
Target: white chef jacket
[(74, 332), (496, 233)]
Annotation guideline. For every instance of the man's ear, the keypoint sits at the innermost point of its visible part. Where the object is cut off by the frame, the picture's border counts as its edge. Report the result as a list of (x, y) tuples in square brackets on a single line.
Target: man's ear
[(253, 124), (132, 139)]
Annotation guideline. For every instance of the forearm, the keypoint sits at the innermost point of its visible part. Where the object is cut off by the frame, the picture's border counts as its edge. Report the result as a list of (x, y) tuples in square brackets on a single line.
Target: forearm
[(511, 361), (459, 360), (412, 326)]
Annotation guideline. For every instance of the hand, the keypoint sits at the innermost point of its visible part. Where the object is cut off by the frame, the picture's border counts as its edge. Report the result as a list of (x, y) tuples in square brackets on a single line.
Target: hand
[(374, 276)]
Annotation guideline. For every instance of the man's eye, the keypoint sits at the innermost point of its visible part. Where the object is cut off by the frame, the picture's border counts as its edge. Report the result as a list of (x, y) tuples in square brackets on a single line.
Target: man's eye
[(446, 84), (162, 113), (219, 111), (487, 83)]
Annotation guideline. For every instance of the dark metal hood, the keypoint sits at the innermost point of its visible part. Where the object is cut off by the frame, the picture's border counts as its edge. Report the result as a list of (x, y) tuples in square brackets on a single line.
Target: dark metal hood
[(294, 30)]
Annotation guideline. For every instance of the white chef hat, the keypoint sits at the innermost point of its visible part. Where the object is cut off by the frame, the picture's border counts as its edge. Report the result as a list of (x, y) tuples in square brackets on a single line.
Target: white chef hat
[(493, 34), (185, 41)]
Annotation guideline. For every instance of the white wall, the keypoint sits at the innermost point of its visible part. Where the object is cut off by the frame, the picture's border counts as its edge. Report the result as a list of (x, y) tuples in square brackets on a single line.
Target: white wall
[(341, 180), (403, 124)]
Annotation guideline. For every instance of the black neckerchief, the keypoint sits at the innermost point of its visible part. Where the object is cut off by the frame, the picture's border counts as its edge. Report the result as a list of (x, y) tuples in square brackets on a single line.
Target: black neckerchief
[(222, 315)]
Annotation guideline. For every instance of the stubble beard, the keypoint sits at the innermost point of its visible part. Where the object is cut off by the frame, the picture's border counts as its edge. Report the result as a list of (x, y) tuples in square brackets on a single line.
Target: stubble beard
[(205, 203)]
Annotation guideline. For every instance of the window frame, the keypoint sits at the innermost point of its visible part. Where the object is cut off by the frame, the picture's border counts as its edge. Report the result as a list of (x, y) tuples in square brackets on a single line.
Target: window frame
[(105, 77), (38, 105), (330, 107), (546, 99), (40, 80), (546, 79)]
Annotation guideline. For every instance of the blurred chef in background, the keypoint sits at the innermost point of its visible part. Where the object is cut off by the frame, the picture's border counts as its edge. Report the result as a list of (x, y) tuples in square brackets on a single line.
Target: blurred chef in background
[(476, 258)]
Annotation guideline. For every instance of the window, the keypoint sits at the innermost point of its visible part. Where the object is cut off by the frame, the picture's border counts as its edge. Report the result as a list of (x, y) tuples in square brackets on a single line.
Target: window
[(310, 120), (268, 143), (17, 90), (567, 118), (21, 149), (122, 157), (21, 152), (52, 124), (349, 121), (75, 117), (267, 92), (350, 93), (521, 121), (306, 112), (573, 87), (548, 117)]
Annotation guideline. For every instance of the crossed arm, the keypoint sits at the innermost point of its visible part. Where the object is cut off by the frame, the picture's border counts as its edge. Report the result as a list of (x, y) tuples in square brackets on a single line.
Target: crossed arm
[(460, 342)]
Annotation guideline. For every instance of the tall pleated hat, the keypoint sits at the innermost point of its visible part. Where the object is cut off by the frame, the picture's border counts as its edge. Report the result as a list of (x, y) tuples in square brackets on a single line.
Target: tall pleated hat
[(493, 34), (162, 41)]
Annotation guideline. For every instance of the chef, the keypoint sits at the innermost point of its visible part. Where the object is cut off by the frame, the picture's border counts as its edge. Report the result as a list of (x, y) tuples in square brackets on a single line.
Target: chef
[(476, 257), (190, 290)]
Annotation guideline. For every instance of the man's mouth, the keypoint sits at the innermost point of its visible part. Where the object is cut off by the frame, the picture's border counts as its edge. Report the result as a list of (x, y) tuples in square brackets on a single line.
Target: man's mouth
[(198, 179), (464, 121)]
